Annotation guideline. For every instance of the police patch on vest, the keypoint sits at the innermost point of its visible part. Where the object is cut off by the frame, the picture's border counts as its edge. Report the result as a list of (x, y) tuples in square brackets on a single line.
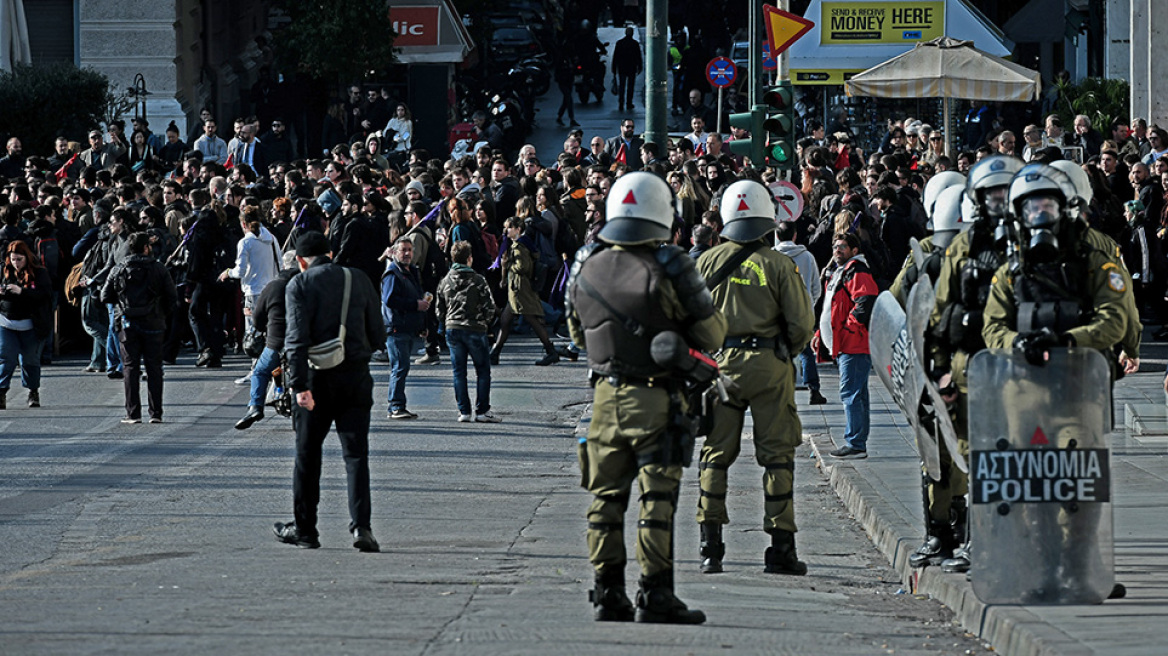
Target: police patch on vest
[(1115, 282)]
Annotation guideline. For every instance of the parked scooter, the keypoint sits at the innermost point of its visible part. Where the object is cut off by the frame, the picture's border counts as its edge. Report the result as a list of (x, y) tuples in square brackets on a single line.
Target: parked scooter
[(590, 69)]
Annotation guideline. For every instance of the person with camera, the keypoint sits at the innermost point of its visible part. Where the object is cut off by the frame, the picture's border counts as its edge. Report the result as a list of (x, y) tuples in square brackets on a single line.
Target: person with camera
[(327, 342), (143, 296), (268, 318), (770, 320), (25, 315)]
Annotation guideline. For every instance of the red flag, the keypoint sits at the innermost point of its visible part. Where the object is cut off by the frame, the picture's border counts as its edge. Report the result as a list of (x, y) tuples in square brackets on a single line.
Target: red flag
[(621, 155), (230, 163), (63, 172)]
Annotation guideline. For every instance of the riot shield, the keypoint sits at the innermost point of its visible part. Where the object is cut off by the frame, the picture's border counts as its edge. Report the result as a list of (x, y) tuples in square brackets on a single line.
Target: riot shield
[(921, 300), (894, 359), (918, 253), (1039, 478)]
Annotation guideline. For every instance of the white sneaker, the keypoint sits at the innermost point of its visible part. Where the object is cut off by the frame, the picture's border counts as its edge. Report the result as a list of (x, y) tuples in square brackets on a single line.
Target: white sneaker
[(246, 380), (465, 419), (487, 417)]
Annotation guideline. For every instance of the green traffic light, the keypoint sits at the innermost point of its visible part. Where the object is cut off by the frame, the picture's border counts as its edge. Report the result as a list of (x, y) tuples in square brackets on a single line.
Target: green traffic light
[(781, 153)]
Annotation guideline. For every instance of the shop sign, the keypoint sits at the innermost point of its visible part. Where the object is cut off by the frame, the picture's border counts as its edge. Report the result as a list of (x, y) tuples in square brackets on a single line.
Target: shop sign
[(870, 23)]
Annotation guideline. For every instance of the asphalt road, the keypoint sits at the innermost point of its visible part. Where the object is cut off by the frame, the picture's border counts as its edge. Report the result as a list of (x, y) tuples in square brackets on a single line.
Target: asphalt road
[(157, 539)]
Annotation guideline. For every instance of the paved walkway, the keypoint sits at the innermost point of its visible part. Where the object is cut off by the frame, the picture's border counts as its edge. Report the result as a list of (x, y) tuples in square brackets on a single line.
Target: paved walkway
[(883, 493)]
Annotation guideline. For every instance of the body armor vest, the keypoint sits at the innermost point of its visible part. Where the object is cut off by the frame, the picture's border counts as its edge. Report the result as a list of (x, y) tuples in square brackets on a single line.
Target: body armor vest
[(618, 342), (1048, 296)]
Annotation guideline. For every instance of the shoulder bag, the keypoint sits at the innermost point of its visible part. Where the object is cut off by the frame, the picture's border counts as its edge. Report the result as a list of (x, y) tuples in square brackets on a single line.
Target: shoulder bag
[(331, 354)]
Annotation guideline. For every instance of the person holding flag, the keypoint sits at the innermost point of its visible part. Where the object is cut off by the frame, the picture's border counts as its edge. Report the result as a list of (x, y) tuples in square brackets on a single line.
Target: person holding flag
[(625, 148)]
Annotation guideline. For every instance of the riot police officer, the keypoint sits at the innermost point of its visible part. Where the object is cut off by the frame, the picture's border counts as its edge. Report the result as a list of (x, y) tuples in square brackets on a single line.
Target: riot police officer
[(933, 246), (769, 318), (624, 291), (1062, 291), (962, 288)]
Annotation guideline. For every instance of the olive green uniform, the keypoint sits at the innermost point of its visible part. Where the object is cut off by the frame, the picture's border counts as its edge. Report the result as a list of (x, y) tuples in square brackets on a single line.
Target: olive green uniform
[(630, 417), (1103, 285), (764, 298), (909, 274)]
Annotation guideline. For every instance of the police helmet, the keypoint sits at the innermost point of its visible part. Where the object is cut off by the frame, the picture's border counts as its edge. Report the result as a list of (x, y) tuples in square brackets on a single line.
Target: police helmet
[(1080, 183), (947, 213), (748, 211), (991, 173), (639, 209), (1036, 181), (936, 185)]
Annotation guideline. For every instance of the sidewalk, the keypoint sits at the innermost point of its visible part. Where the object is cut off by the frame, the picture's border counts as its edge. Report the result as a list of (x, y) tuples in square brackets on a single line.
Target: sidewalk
[(883, 493)]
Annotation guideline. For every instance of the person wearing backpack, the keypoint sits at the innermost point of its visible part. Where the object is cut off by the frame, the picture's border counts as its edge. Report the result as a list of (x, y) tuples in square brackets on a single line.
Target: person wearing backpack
[(432, 265), (464, 228), (144, 296), (520, 264)]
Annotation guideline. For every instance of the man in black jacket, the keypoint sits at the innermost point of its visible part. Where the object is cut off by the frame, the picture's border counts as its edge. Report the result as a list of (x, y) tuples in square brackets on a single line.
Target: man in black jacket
[(205, 248), (342, 394), (626, 66), (269, 318), (144, 297), (626, 146)]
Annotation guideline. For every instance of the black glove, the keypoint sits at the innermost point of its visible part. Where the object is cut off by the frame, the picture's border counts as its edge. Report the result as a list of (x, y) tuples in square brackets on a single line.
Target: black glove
[(1035, 345)]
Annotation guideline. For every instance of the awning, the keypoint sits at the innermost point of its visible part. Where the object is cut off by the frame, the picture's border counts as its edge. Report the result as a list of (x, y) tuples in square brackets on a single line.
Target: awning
[(428, 32), (947, 68), (14, 48), (854, 35)]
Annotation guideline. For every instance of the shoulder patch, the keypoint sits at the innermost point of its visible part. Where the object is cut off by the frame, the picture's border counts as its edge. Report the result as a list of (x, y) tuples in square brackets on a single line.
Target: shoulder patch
[(1115, 282)]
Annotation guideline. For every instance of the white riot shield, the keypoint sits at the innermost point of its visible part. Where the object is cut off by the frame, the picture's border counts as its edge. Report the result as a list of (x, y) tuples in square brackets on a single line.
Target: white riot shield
[(1040, 478), (895, 361), (921, 301)]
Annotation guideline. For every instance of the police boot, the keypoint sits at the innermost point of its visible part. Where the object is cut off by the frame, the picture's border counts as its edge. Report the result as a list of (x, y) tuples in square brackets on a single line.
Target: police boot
[(937, 547), (960, 560), (713, 549), (781, 557), (608, 598), (656, 603)]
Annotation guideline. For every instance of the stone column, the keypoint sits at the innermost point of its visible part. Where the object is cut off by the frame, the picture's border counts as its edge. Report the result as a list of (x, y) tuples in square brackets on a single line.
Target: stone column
[(1157, 63), (122, 38), (1117, 62), (1139, 58)]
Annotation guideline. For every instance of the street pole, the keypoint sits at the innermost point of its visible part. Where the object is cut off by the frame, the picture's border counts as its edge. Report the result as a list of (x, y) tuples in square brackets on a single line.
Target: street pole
[(656, 69), (754, 26)]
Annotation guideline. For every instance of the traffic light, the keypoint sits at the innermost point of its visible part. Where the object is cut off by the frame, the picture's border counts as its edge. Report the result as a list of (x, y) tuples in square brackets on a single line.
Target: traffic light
[(755, 146), (779, 126)]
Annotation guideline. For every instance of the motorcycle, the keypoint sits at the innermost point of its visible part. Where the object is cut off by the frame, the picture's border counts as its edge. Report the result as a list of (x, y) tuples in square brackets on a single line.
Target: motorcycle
[(589, 76)]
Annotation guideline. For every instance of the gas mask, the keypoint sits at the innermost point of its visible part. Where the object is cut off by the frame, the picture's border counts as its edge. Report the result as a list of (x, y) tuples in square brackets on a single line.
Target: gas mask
[(1041, 217)]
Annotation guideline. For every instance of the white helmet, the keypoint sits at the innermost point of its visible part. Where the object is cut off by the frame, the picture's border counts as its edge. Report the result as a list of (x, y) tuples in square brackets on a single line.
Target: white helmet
[(993, 172), (748, 211), (1081, 184), (969, 214), (947, 210), (1039, 180), (936, 185), (639, 210)]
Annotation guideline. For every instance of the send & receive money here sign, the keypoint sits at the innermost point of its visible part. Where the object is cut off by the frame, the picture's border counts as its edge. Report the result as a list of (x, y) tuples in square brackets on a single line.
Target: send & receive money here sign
[(851, 23)]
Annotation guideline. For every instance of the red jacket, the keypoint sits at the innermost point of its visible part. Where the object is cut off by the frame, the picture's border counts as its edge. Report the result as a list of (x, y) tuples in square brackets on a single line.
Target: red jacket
[(851, 309)]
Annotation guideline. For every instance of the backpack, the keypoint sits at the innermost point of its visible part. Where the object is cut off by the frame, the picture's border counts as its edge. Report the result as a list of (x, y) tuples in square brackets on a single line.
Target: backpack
[(135, 297), (478, 249), (48, 251), (547, 257), (74, 290), (491, 245), (435, 267)]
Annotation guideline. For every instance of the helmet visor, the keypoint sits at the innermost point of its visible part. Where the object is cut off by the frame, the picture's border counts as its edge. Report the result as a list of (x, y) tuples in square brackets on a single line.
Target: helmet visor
[(1040, 211)]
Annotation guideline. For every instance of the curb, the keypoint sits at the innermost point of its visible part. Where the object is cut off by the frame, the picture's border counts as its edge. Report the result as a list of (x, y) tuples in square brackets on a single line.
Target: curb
[(1011, 630)]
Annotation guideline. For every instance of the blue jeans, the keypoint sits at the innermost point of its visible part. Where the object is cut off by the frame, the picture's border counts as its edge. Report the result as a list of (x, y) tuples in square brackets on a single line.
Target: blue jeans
[(95, 320), (810, 372), (24, 346), (113, 348), (475, 344), (853, 386), (400, 348), (261, 375)]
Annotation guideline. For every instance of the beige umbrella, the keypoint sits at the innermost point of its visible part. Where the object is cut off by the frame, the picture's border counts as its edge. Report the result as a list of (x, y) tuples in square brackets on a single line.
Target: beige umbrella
[(947, 68), (13, 35)]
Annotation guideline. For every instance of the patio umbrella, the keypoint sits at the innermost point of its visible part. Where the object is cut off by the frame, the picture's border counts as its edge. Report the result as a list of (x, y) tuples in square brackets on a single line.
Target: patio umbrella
[(947, 68), (13, 35)]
